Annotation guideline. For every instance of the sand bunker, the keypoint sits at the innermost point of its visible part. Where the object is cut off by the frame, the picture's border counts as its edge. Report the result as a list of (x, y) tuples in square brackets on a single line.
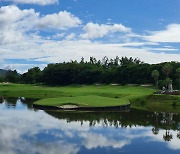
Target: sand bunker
[(68, 106)]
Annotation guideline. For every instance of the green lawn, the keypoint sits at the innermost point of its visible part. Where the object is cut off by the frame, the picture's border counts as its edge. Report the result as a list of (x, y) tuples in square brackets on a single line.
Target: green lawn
[(158, 103), (83, 101), (32, 91), (103, 95)]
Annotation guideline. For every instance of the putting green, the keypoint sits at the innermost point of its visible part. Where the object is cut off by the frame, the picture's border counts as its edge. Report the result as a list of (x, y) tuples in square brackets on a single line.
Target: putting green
[(83, 101)]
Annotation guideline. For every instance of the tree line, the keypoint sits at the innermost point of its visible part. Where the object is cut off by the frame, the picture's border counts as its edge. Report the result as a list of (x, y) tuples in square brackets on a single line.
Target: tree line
[(122, 70)]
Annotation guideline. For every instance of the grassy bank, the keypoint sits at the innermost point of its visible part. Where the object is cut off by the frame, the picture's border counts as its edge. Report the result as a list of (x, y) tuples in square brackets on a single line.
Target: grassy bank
[(158, 103), (102, 95)]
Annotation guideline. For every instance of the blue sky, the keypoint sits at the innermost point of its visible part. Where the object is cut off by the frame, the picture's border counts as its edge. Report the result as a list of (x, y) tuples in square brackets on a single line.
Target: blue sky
[(38, 32)]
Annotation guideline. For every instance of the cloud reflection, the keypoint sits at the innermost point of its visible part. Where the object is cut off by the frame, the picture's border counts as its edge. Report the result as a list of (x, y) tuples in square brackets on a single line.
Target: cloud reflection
[(27, 131)]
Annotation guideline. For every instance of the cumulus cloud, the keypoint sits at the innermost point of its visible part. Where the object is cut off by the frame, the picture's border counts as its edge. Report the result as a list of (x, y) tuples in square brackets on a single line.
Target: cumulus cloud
[(52, 51), (94, 140), (39, 2), (12, 134), (15, 23), (20, 39), (66, 50), (59, 20), (170, 34), (70, 36), (97, 31)]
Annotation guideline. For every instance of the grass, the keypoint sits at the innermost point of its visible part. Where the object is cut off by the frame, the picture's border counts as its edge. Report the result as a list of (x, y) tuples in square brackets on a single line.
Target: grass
[(158, 103), (103, 95), (32, 91), (83, 101)]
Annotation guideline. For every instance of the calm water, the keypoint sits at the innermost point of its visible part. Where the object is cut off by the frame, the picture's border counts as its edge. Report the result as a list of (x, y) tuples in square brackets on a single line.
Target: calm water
[(24, 130)]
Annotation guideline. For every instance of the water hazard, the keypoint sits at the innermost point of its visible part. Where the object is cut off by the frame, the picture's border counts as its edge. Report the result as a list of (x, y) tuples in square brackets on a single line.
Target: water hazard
[(25, 130)]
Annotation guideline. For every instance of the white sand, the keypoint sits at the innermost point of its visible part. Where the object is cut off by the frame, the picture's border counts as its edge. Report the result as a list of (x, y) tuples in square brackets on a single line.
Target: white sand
[(68, 106)]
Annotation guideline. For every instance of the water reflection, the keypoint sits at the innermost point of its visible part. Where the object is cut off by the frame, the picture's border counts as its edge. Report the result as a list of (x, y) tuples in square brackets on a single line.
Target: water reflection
[(24, 131), (163, 121), (12, 102)]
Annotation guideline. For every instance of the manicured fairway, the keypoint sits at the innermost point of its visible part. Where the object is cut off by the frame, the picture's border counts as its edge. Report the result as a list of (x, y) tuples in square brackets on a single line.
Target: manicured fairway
[(33, 91), (94, 96), (103, 95)]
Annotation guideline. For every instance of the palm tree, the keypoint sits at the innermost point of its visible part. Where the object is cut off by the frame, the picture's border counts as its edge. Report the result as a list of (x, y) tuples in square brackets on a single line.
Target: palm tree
[(155, 75), (178, 72), (167, 68), (168, 82)]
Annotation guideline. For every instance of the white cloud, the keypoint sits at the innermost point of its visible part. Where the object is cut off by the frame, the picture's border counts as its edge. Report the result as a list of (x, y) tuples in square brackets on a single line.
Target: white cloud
[(60, 20), (12, 133), (52, 51), (21, 68), (15, 23), (70, 36), (20, 39), (97, 31), (170, 34), (19, 131), (162, 49), (39, 2), (94, 140), (66, 50), (57, 36)]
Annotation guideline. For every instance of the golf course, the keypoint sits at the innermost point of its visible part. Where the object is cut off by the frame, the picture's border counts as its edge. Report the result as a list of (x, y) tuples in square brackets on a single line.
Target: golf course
[(94, 96)]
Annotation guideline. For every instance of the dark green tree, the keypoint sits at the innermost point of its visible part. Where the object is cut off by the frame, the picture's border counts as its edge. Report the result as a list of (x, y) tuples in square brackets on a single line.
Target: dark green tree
[(155, 75), (12, 76), (32, 76), (178, 73), (167, 69)]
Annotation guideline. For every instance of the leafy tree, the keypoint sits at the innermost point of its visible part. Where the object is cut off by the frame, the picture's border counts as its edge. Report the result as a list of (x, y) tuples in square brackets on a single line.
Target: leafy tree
[(167, 69), (178, 72), (115, 70), (82, 60), (12, 76), (155, 75), (167, 82), (32, 76), (2, 79)]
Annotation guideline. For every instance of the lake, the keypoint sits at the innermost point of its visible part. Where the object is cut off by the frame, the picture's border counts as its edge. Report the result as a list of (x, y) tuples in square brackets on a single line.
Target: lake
[(25, 130)]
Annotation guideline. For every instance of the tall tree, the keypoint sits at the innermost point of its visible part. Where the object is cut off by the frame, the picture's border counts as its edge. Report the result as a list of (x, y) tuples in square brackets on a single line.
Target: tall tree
[(12, 76), (32, 76), (178, 72), (155, 75), (167, 69)]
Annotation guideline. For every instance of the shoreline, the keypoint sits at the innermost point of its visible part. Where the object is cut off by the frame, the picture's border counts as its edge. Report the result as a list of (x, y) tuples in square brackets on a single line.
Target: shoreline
[(78, 108)]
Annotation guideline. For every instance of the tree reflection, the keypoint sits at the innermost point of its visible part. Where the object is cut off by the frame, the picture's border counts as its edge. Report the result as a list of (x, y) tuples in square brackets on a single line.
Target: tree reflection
[(155, 130), (1, 100), (28, 102), (168, 136), (178, 134), (168, 122), (159, 121), (10, 102)]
